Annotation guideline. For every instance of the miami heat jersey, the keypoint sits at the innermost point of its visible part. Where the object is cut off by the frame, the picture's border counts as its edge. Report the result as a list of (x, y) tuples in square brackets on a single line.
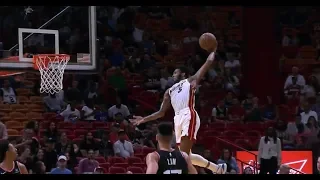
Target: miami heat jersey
[(182, 95), (9, 96)]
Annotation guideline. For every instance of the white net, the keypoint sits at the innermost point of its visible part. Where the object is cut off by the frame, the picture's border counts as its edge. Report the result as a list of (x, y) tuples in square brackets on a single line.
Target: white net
[(51, 69)]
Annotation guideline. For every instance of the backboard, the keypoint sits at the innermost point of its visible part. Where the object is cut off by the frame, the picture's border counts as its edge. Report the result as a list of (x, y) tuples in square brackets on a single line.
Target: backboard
[(66, 30)]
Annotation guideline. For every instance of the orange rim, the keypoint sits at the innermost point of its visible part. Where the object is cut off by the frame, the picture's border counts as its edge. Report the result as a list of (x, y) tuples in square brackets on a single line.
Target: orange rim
[(46, 60)]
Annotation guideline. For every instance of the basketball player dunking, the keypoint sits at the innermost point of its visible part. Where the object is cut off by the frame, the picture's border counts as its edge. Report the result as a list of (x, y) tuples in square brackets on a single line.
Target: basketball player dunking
[(167, 160), (9, 165), (186, 120)]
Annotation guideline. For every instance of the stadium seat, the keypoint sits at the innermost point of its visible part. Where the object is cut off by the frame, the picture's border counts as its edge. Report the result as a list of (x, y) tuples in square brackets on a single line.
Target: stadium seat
[(132, 160), (136, 170), (117, 170), (19, 108), (79, 132), (113, 160), (123, 165), (101, 159)]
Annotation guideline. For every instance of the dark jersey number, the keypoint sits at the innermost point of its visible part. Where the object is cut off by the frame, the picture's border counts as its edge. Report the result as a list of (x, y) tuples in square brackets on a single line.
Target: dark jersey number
[(180, 89)]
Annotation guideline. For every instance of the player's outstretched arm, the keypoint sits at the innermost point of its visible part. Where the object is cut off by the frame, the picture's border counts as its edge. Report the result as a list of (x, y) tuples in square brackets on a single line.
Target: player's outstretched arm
[(203, 70), (152, 163), (166, 103), (191, 168)]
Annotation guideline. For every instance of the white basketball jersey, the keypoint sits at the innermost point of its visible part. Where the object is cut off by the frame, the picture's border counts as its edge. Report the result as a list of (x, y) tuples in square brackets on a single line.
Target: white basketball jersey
[(182, 95), (9, 96)]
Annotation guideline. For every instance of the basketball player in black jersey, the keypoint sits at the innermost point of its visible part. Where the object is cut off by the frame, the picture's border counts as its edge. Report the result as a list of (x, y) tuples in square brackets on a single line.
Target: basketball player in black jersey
[(8, 155), (167, 160)]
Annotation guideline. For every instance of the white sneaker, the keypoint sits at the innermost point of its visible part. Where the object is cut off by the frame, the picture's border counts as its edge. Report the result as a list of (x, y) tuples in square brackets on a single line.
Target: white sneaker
[(222, 168)]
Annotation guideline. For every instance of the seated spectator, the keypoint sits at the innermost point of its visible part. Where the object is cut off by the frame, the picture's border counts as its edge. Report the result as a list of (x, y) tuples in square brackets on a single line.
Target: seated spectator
[(50, 155), (118, 108), (51, 132), (228, 100), (207, 155), (227, 158), (73, 93), (255, 113), (88, 111), (70, 114), (38, 157), (28, 141), (219, 113), (26, 159), (269, 111), (71, 162), (312, 126), (87, 144), (63, 144), (39, 168), (248, 170), (34, 125), (3, 131), (8, 94), (120, 119), (248, 103), (53, 103), (284, 169), (114, 133), (166, 80), (122, 147), (309, 90), (307, 113), (295, 73), (315, 107), (236, 111), (87, 165), (286, 133), (106, 148), (152, 81), (91, 92), (293, 89), (232, 63), (62, 166)]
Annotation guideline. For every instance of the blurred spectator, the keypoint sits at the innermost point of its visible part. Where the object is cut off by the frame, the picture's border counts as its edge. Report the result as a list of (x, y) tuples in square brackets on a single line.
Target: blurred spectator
[(71, 113), (88, 111), (53, 103), (39, 168), (269, 153), (227, 158), (26, 159), (293, 89), (309, 90), (219, 113), (122, 147), (316, 107), (106, 148), (152, 81), (63, 144), (232, 63), (318, 165), (73, 93), (71, 161), (207, 155), (3, 131), (8, 94), (87, 165), (295, 73), (248, 170), (284, 169), (91, 93), (232, 81), (270, 110), (50, 155), (166, 80), (38, 157), (228, 100), (255, 114), (51, 132), (114, 133), (289, 40), (307, 113), (28, 141), (118, 82), (62, 166), (88, 143), (236, 111), (118, 108), (248, 103)]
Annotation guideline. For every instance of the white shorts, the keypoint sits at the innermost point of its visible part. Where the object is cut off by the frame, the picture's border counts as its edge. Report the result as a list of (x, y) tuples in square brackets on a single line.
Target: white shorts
[(186, 123)]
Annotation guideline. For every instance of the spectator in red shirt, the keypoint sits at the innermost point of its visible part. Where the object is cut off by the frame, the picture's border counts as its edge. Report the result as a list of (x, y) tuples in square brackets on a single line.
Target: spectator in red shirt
[(236, 112)]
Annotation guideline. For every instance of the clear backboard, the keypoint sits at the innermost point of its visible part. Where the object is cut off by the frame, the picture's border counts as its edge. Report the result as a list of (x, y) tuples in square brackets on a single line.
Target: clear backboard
[(54, 30)]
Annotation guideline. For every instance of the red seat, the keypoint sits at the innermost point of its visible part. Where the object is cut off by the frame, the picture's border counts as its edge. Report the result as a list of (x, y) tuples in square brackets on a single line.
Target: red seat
[(252, 133), (212, 133), (117, 170), (253, 126), (147, 150), (113, 160), (105, 165), (136, 170), (217, 125), (67, 131), (137, 150), (235, 126), (79, 132), (83, 125), (132, 160), (233, 133), (141, 165), (96, 125), (215, 152), (77, 140), (209, 141), (101, 159), (268, 124), (123, 165), (244, 143), (65, 125)]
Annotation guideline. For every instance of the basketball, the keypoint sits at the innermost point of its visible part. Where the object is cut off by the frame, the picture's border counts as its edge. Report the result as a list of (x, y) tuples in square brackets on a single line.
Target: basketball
[(208, 42)]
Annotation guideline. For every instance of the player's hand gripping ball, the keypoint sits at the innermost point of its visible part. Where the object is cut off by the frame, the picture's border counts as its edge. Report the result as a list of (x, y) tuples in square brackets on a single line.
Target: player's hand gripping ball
[(208, 42)]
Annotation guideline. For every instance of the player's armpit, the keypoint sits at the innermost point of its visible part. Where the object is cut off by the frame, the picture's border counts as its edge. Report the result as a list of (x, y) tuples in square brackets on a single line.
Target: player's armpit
[(166, 104), (22, 168), (203, 70), (152, 163), (191, 168)]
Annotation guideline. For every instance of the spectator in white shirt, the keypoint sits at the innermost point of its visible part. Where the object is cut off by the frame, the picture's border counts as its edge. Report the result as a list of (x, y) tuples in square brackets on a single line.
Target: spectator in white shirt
[(70, 113), (137, 34), (8, 94), (232, 63), (122, 147), (118, 108), (269, 153), (53, 103), (88, 111), (295, 73), (307, 113)]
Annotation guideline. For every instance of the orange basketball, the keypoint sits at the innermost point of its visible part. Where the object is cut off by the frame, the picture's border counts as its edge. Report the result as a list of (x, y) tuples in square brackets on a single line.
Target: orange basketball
[(208, 42)]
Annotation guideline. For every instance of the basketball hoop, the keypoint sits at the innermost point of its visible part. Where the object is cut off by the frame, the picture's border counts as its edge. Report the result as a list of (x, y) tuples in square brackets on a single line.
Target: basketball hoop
[(51, 67)]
